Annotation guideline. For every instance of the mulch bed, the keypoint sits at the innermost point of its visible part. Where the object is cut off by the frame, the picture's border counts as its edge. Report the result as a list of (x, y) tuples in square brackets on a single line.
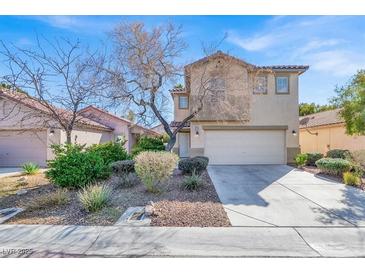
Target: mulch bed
[(174, 206)]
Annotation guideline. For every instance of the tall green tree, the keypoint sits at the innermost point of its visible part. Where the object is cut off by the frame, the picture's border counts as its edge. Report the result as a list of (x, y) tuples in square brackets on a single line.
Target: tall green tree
[(310, 108), (351, 99)]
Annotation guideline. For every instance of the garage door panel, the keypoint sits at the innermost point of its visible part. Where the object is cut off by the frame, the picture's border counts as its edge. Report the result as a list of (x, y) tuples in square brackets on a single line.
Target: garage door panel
[(18, 147), (245, 146)]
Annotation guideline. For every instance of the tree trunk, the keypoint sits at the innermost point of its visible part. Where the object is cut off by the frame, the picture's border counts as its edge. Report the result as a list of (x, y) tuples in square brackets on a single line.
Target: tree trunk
[(171, 143), (68, 137)]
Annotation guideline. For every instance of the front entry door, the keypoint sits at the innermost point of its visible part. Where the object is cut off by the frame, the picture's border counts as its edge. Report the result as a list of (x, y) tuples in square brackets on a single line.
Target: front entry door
[(184, 144)]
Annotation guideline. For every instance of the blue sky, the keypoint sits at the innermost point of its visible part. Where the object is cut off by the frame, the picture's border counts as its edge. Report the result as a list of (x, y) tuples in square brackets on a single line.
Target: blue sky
[(333, 46)]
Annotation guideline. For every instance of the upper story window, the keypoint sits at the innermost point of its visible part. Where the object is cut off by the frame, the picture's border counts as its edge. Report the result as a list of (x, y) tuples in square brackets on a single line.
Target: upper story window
[(260, 85), (217, 88), (183, 102), (282, 84)]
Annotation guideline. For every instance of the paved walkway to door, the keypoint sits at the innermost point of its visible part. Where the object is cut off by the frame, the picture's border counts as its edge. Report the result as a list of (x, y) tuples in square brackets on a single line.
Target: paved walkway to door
[(279, 195)]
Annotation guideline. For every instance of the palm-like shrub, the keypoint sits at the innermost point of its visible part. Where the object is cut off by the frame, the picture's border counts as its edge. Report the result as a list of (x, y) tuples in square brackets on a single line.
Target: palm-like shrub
[(154, 167), (192, 182), (30, 168), (94, 197)]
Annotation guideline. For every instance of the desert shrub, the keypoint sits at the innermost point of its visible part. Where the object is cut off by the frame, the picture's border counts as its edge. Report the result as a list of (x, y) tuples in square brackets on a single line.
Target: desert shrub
[(94, 197), (110, 151), (67, 148), (30, 168), (123, 167), (76, 168), (357, 169), (301, 160), (192, 182), (154, 167), (359, 157), (146, 143), (313, 157), (351, 179), (333, 166), (337, 153), (127, 180), (196, 164), (57, 198)]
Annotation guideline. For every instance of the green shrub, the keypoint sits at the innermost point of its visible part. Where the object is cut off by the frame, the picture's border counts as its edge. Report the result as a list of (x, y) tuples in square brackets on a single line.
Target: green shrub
[(337, 153), (313, 157), (146, 143), (123, 167), (67, 148), (351, 179), (196, 164), (75, 168), (333, 166), (154, 167), (30, 168), (192, 182), (94, 197), (301, 160), (128, 180), (357, 169), (110, 151)]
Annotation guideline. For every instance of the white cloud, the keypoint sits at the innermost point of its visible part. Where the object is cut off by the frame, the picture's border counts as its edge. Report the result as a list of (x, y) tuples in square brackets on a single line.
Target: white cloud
[(77, 23), (253, 44), (336, 62)]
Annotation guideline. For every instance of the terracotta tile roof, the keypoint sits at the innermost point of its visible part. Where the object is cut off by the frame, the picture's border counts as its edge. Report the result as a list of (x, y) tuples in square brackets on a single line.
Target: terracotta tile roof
[(275, 67), (33, 103), (130, 123), (176, 124), (285, 67), (328, 117), (177, 90)]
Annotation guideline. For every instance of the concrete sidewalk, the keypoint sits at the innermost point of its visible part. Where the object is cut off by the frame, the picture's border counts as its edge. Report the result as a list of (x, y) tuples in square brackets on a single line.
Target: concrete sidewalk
[(112, 241)]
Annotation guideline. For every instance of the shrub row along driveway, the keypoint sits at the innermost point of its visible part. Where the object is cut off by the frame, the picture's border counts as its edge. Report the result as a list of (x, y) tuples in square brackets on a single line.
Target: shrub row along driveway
[(279, 195)]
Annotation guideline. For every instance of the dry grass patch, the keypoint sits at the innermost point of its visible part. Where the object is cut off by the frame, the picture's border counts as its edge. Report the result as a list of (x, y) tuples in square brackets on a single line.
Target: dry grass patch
[(10, 185)]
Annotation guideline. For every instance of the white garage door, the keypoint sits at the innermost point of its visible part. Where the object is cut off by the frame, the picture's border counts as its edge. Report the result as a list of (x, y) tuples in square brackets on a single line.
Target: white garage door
[(18, 147), (238, 147)]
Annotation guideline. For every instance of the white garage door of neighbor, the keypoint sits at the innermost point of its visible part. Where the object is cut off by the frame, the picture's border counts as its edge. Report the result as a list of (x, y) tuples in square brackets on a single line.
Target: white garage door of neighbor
[(18, 147), (244, 147)]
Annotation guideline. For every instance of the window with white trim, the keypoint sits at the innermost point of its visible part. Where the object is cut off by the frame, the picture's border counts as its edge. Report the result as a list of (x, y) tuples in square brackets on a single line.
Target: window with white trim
[(282, 84)]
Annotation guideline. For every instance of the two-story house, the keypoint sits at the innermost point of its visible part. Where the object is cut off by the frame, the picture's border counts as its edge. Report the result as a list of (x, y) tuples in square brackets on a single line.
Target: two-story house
[(247, 114)]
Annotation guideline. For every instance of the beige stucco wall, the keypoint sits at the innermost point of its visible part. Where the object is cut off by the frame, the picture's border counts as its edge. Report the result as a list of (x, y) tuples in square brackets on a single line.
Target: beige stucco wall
[(121, 128), (243, 107), (329, 137)]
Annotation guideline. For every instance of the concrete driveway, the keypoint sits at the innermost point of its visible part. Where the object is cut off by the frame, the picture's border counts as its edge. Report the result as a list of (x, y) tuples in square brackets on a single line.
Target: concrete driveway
[(279, 195)]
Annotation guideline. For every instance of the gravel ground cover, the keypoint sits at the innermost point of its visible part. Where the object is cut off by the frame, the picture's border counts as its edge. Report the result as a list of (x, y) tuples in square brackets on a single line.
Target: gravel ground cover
[(173, 206)]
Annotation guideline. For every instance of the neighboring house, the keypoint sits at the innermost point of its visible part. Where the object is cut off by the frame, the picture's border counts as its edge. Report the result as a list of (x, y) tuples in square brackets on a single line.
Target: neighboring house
[(27, 131), (325, 130), (122, 128), (159, 129), (249, 117)]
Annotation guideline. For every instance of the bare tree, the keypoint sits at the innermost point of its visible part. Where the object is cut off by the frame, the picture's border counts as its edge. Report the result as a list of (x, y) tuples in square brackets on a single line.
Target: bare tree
[(59, 77), (141, 68)]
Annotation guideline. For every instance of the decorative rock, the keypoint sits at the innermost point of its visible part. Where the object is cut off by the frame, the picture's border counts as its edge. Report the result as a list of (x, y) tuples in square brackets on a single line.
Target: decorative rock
[(7, 213), (148, 210), (22, 179), (21, 192)]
